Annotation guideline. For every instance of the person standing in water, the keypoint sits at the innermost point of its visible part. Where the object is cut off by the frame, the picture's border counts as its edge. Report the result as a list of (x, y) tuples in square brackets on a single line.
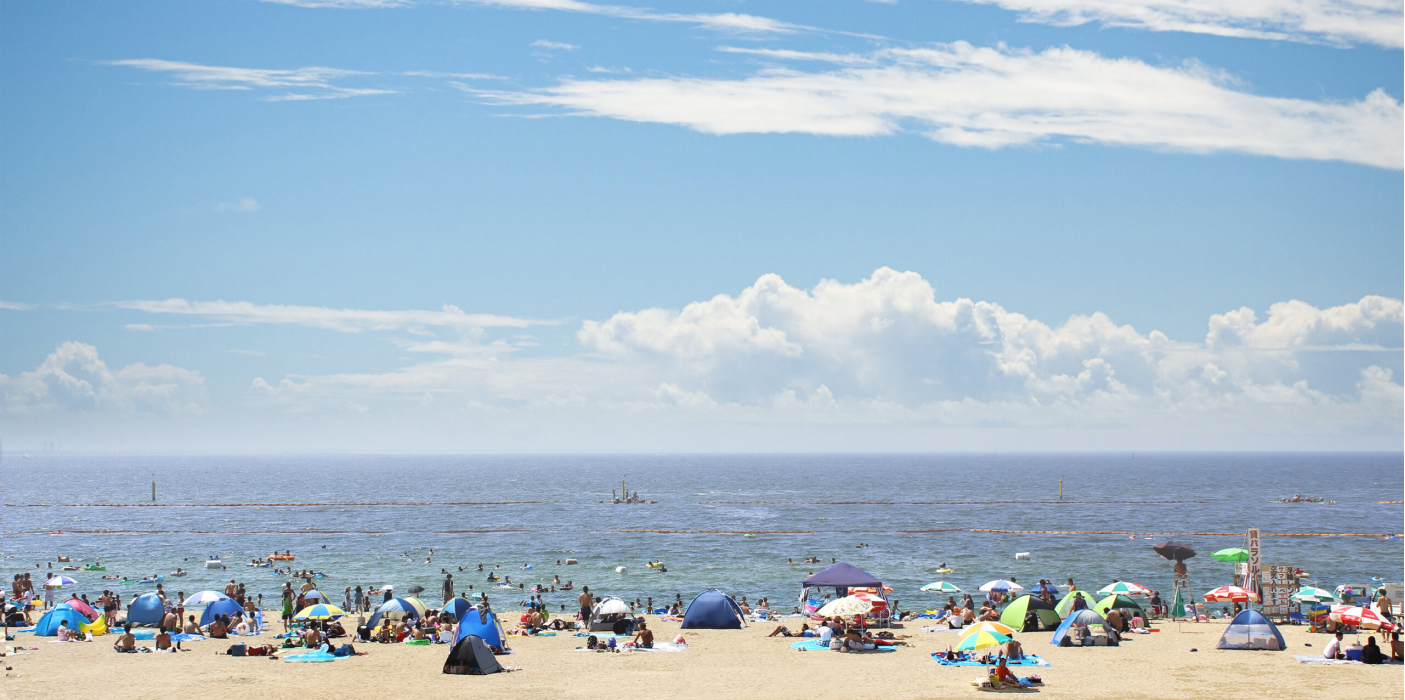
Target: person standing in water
[(448, 588)]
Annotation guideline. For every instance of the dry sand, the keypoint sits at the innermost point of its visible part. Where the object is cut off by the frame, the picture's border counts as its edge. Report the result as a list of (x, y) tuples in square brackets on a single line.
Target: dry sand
[(718, 664)]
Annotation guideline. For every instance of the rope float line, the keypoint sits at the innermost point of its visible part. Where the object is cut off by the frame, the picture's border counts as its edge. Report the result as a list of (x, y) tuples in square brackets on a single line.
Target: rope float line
[(693, 532), (262, 505), (1203, 534), (927, 503)]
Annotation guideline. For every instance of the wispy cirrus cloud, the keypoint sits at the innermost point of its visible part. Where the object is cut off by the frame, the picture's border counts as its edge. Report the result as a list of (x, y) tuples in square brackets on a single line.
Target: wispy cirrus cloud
[(726, 21), (554, 45), (14, 306), (1340, 22), (996, 97), (311, 83), (342, 320)]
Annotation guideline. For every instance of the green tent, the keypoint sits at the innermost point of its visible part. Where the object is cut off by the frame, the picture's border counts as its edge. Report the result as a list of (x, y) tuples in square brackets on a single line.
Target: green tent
[(1065, 606), (1117, 601), (1014, 614)]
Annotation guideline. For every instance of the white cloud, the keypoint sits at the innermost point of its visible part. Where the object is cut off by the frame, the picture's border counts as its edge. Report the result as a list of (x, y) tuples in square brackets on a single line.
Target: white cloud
[(1343, 22), (14, 306), (74, 379), (243, 204), (728, 21), (343, 320), (344, 4), (554, 45), (998, 97), (312, 83)]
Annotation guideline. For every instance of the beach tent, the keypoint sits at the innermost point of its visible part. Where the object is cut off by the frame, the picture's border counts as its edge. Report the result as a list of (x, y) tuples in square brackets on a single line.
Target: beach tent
[(1065, 606), (1120, 602), (1082, 617), (146, 610), (48, 625), (228, 606), (843, 575), (483, 624), (471, 657), (395, 608), (713, 610), (1016, 612), (1251, 630), (457, 607)]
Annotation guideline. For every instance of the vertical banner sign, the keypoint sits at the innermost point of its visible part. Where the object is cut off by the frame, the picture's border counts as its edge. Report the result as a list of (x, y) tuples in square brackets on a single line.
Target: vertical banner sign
[(1251, 578)]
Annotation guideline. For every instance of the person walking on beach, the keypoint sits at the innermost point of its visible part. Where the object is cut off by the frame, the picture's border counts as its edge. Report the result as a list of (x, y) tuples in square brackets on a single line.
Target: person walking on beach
[(448, 588), (585, 601), (287, 605)]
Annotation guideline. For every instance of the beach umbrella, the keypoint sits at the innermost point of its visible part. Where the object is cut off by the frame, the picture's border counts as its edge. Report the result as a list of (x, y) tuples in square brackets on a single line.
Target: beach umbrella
[(1124, 588), (416, 589), (314, 594), (981, 640), (1178, 606), (1357, 616), (1232, 554), (397, 607), (204, 598), (1173, 550), (1002, 586), (844, 607), (988, 626), (1231, 594), (80, 606), (1053, 590), (1308, 594), (321, 611), (60, 581), (1065, 606), (873, 599), (941, 587), (1117, 601)]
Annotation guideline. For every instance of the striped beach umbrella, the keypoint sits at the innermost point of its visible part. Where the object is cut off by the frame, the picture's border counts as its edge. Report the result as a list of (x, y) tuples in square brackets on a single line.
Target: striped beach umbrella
[(844, 607), (873, 599), (1001, 585), (1124, 588), (988, 626), (204, 598), (314, 594), (1231, 594), (1308, 594), (60, 581), (941, 587), (321, 611), (981, 640), (1357, 616)]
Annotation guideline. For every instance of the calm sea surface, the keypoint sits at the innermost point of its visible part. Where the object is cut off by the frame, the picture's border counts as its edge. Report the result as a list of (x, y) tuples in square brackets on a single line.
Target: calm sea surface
[(366, 544)]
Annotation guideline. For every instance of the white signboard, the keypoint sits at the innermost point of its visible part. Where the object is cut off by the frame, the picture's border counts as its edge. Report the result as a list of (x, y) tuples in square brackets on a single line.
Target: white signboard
[(1279, 582)]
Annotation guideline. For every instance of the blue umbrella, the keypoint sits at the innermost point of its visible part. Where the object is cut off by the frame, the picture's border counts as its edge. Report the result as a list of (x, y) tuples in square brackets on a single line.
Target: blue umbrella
[(60, 581), (228, 606), (314, 593), (1044, 587), (394, 607)]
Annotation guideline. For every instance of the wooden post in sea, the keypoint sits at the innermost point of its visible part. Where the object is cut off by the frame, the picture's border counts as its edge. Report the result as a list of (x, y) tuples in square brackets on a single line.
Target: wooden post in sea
[(1061, 488), (153, 490)]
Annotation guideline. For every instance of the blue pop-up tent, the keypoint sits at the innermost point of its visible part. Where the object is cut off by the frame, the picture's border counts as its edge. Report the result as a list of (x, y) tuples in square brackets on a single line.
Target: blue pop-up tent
[(484, 624), (1083, 617), (457, 607), (1251, 630), (227, 606), (146, 610), (48, 625), (713, 610)]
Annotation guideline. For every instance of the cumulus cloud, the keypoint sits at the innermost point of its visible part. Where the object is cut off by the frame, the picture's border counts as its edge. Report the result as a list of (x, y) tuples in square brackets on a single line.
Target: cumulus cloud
[(312, 83), (1342, 22), (74, 379), (998, 97), (343, 320)]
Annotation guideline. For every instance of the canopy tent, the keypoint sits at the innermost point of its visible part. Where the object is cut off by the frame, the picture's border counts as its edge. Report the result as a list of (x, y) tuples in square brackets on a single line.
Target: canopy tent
[(228, 606), (714, 610), (1065, 606), (481, 623), (1120, 602), (1082, 617), (471, 657), (1251, 630), (1017, 611), (48, 625), (842, 575), (147, 609)]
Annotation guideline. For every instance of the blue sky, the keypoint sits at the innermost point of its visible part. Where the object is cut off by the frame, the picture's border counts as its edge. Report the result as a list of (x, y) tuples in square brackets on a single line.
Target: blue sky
[(582, 180)]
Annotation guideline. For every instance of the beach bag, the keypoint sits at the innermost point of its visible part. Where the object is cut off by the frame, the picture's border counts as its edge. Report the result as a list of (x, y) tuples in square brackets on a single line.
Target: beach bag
[(236, 650)]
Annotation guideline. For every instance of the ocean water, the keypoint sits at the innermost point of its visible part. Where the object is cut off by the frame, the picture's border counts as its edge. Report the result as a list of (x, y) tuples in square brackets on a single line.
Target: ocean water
[(913, 512)]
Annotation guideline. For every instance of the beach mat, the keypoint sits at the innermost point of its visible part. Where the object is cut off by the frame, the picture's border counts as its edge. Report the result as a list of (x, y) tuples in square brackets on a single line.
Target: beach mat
[(1028, 660), (668, 647), (816, 645), (1319, 660), (942, 628)]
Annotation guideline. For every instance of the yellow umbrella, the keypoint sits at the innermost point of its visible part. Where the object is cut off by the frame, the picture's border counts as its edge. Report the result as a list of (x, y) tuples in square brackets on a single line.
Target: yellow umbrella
[(846, 606), (988, 626), (980, 640), (321, 611)]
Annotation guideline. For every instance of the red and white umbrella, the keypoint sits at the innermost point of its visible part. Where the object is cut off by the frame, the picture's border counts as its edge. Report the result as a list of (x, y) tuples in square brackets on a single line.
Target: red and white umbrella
[(1357, 616), (871, 589), (1232, 594), (871, 598)]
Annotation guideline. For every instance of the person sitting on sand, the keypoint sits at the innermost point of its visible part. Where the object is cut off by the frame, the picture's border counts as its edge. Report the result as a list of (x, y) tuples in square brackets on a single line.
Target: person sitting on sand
[(826, 634), (1013, 649), (1002, 675), (217, 630), (126, 643), (163, 640), (645, 638), (1371, 653), (68, 635), (1333, 650)]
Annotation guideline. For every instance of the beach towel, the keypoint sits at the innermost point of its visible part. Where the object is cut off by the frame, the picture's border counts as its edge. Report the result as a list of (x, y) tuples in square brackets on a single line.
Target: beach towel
[(660, 646), (816, 645), (939, 628), (1028, 660), (183, 637), (1323, 661)]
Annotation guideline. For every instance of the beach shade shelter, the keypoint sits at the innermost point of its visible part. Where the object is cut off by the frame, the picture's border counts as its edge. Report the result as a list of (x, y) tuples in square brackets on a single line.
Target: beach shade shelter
[(204, 598), (1124, 588), (1018, 610), (48, 625), (841, 576), (321, 611), (457, 607), (1173, 550), (1251, 630), (1065, 606), (941, 587), (395, 608), (1231, 594), (228, 606), (420, 607), (1120, 602), (712, 610), (483, 624), (80, 606), (471, 657), (1357, 616), (60, 581), (1001, 586), (1087, 618), (147, 609), (981, 640)]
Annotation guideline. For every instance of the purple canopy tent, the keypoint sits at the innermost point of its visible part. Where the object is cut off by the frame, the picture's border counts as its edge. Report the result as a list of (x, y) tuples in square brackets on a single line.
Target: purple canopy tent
[(841, 576)]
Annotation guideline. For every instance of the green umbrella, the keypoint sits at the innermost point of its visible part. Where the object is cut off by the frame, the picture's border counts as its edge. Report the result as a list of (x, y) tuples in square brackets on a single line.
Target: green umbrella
[(1178, 606), (1117, 601), (1232, 554), (981, 640), (1065, 606), (1015, 612), (941, 587), (1308, 594)]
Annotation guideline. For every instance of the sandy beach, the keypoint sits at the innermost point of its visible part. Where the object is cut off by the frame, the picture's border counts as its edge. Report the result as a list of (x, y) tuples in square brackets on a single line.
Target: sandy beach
[(717, 664)]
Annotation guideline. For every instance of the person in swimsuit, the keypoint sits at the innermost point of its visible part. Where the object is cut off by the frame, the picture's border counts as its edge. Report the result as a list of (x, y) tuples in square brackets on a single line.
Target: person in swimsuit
[(645, 638)]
